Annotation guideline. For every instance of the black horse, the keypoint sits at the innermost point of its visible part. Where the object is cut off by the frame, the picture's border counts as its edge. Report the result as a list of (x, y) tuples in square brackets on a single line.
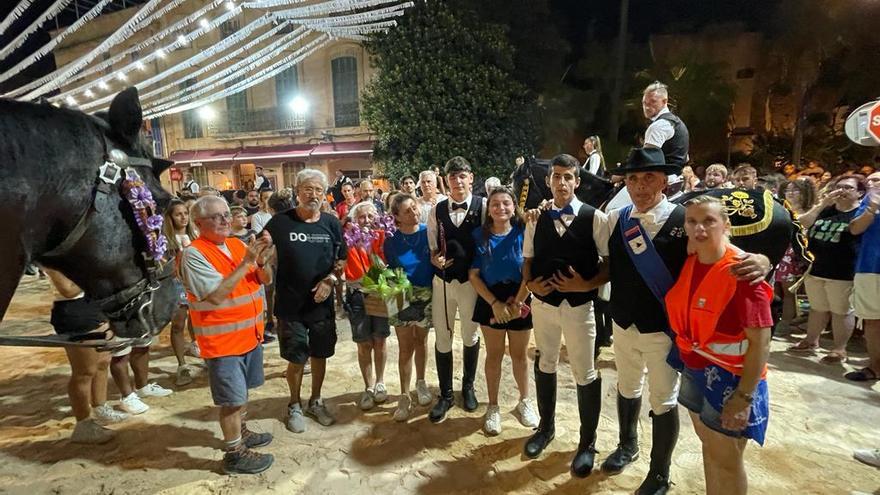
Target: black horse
[(530, 185), (59, 213)]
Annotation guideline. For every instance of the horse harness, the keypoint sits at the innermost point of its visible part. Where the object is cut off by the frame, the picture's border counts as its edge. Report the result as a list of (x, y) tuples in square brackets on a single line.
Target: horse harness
[(132, 302)]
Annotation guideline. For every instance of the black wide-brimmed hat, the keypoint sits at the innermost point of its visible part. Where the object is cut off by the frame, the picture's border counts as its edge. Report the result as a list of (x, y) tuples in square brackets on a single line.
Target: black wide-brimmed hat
[(646, 160)]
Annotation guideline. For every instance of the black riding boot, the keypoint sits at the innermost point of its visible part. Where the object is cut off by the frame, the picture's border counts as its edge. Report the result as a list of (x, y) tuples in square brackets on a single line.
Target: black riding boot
[(468, 396), (664, 437), (589, 404), (444, 375), (545, 390), (628, 444)]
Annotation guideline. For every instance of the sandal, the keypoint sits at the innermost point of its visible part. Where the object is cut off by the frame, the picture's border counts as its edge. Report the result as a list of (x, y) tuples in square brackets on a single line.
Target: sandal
[(834, 357), (865, 374), (803, 346)]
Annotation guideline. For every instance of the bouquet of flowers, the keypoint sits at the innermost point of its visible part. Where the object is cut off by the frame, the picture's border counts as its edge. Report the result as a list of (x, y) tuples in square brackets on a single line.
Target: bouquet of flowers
[(379, 280)]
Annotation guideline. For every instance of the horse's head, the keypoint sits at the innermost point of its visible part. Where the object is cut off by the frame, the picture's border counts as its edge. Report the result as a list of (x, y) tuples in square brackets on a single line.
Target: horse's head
[(529, 182), (110, 256)]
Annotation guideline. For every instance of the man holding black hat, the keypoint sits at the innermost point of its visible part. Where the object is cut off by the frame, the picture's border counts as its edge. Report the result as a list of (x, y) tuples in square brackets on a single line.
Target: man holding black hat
[(450, 225), (646, 248), (562, 270)]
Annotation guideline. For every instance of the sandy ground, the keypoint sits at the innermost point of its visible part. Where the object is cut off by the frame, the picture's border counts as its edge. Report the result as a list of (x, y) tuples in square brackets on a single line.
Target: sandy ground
[(817, 419)]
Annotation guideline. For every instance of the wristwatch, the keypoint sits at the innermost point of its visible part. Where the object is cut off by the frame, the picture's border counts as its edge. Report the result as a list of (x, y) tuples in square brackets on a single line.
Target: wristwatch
[(746, 397)]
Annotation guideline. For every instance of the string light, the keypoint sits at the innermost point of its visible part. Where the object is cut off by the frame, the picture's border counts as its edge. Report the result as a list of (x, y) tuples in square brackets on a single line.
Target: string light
[(204, 23), (89, 93), (122, 77), (103, 85), (141, 66)]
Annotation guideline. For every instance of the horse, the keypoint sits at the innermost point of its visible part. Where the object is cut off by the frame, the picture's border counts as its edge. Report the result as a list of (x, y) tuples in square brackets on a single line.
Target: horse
[(531, 188), (61, 178)]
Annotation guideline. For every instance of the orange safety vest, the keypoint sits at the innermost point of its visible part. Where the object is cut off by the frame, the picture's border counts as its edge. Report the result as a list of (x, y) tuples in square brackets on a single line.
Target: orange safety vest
[(695, 318), (235, 326)]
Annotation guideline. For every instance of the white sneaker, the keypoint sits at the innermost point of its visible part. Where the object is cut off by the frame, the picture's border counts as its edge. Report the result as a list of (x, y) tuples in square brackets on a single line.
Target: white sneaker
[(132, 404), (88, 431), (153, 390), (493, 421), (527, 415), (193, 350), (401, 414), (380, 395), (422, 393), (870, 457), (106, 414)]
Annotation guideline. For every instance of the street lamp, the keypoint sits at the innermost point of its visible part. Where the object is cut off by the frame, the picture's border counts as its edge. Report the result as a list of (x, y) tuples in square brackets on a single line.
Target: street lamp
[(299, 105), (207, 113)]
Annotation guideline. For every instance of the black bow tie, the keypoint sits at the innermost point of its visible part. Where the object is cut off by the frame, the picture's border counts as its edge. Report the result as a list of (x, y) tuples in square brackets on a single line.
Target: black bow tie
[(459, 206)]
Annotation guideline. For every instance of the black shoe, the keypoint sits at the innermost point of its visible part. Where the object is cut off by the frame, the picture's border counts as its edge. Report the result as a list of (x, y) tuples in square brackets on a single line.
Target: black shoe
[(241, 460), (253, 440), (654, 484), (269, 337), (627, 449), (468, 397), (545, 391), (589, 405), (438, 412)]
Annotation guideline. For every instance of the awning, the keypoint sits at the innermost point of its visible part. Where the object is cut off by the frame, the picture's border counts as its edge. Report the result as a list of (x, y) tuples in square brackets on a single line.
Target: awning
[(202, 156), (283, 152), (343, 149)]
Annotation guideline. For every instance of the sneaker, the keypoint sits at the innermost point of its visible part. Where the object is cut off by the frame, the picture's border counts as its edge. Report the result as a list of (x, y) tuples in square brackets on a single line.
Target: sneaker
[(252, 439), (422, 393), (527, 415), (401, 414), (269, 337), (153, 390), (870, 457), (493, 421), (295, 421), (184, 376), (193, 350), (367, 402), (319, 412), (242, 460), (106, 414), (381, 394), (88, 431), (132, 404)]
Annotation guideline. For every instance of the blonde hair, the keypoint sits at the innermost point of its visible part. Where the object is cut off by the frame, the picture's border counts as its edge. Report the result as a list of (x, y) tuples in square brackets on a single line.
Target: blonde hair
[(719, 167), (706, 199)]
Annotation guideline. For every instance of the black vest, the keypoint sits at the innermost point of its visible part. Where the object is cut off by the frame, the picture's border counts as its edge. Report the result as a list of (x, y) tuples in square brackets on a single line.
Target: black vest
[(460, 245), (265, 185), (675, 149), (632, 302), (576, 247)]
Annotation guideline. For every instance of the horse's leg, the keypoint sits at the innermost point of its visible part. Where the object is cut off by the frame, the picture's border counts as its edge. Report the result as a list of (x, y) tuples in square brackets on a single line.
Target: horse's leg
[(11, 268)]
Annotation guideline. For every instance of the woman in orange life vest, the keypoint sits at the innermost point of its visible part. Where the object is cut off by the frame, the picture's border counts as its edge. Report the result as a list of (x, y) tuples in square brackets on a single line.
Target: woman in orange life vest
[(723, 334)]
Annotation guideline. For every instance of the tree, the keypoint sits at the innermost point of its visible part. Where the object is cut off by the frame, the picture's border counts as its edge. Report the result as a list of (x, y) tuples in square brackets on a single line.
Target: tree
[(444, 87)]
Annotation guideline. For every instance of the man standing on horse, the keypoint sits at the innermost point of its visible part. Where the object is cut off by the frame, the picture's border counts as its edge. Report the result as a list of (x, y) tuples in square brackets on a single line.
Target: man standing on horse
[(223, 279)]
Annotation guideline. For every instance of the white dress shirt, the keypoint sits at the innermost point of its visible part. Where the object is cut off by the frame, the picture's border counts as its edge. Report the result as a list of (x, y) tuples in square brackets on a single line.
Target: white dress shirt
[(456, 216), (599, 221), (652, 221), (659, 131), (594, 161)]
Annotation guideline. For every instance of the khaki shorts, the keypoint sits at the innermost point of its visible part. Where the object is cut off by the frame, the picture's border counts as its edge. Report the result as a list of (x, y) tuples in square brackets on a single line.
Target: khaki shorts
[(829, 295), (866, 296)]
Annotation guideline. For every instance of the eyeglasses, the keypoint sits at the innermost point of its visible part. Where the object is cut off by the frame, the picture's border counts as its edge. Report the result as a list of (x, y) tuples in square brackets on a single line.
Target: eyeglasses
[(845, 187), (217, 216)]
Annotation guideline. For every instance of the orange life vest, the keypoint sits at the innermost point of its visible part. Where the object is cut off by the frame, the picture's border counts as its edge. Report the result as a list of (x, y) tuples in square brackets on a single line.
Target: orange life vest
[(235, 326), (694, 319)]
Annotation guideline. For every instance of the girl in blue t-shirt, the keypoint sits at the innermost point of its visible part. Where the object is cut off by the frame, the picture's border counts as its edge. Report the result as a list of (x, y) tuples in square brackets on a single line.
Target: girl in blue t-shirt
[(502, 308), (408, 249)]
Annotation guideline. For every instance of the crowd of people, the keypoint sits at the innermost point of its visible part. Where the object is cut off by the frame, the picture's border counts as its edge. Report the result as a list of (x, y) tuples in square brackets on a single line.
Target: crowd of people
[(687, 310)]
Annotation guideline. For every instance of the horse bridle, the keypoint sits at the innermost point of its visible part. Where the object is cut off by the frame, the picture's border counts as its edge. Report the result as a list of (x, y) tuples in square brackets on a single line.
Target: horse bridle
[(136, 300)]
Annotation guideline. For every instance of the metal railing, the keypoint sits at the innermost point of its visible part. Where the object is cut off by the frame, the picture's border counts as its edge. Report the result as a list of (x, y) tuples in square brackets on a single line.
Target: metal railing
[(257, 120)]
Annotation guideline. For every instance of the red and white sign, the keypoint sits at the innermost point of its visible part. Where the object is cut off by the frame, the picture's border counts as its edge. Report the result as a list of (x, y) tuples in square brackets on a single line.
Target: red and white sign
[(175, 174), (874, 121)]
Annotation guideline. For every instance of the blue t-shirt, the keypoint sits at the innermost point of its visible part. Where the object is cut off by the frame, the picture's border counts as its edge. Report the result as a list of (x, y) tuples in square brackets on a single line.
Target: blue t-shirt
[(502, 259), (411, 252), (868, 260)]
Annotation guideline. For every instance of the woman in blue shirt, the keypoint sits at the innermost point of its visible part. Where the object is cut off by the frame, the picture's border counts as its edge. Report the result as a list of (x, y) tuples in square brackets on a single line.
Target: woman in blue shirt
[(502, 308), (408, 249)]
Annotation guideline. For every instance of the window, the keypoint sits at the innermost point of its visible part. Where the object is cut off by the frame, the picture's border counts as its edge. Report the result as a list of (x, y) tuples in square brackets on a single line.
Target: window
[(192, 125), (237, 109), (345, 92), (357, 175), (286, 86), (200, 175), (228, 28), (289, 170)]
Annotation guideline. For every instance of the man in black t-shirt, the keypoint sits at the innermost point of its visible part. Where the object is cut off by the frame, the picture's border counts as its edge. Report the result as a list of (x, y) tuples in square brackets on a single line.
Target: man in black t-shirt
[(310, 248)]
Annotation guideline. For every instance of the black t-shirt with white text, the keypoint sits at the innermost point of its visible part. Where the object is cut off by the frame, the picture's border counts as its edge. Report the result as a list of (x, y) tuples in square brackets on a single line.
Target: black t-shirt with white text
[(834, 248), (306, 254)]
